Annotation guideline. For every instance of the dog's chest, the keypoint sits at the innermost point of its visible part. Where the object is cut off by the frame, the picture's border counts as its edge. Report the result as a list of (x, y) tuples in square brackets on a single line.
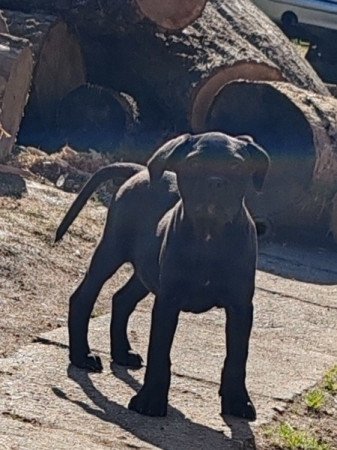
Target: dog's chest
[(207, 275)]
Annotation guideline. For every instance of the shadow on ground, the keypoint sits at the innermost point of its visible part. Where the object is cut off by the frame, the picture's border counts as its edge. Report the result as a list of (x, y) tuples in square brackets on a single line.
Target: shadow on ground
[(306, 264), (171, 433)]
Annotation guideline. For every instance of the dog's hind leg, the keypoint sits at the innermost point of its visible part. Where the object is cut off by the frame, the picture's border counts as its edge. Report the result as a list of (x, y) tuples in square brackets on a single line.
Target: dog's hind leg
[(124, 303), (105, 261)]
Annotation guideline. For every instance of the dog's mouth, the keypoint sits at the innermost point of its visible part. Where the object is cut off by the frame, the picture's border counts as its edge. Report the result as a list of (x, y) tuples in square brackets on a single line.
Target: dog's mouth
[(209, 221)]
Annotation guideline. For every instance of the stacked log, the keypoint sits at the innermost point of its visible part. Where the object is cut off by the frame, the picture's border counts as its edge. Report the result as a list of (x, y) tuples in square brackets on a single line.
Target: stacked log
[(175, 76), (183, 71), (16, 65), (219, 42)]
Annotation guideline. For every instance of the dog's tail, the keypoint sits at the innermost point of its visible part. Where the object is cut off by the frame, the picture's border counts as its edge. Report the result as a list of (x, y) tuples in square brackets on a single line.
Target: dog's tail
[(119, 172)]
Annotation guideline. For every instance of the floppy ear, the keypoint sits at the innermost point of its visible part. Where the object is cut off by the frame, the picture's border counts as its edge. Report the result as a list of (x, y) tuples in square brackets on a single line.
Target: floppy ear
[(259, 161), (169, 155)]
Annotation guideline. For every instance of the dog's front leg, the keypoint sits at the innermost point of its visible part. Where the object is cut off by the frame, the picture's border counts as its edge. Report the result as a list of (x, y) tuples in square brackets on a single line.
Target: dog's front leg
[(235, 400), (152, 399)]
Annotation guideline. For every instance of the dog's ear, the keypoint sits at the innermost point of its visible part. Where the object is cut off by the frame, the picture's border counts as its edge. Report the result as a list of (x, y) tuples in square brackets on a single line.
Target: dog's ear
[(169, 155), (259, 161)]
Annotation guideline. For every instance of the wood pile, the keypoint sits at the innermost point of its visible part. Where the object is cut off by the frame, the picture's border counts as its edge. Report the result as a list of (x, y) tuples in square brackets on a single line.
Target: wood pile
[(131, 73)]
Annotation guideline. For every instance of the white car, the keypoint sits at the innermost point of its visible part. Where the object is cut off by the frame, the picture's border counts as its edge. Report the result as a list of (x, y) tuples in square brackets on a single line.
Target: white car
[(320, 13)]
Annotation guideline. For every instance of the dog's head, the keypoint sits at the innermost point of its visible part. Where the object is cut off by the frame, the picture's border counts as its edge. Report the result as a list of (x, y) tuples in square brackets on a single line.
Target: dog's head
[(213, 171)]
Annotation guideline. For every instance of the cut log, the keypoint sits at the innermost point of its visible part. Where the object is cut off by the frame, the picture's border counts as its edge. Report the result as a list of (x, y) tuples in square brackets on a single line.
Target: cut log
[(59, 68), (242, 17), (91, 117), (299, 130), (16, 65), (182, 72), (103, 17)]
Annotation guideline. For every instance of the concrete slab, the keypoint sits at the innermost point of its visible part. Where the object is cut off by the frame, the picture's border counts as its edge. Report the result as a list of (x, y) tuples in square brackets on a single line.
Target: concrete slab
[(46, 404)]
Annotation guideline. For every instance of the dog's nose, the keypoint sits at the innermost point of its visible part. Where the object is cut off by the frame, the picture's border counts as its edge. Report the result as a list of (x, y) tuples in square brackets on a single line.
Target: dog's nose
[(215, 182)]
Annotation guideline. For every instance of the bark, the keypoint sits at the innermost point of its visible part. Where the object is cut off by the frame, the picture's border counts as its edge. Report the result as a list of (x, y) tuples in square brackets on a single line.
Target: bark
[(16, 65), (104, 16), (59, 68), (299, 130)]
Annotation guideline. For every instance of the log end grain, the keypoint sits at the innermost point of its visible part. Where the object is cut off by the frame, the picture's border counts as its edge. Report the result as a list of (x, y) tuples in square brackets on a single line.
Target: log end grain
[(16, 66), (210, 87), (60, 69), (92, 117), (172, 14)]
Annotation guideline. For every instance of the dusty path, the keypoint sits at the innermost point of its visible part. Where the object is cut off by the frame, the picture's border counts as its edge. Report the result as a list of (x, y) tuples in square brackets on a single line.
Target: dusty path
[(44, 404)]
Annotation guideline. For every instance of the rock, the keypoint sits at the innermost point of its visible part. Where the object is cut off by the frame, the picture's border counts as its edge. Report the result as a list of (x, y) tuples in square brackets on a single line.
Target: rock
[(12, 185)]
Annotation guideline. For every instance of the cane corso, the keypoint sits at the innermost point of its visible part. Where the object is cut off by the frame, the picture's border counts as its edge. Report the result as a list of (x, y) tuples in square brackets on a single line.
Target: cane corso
[(183, 225)]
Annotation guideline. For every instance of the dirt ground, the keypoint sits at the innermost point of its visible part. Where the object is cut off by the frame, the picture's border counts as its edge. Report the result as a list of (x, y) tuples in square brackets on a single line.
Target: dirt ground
[(37, 277)]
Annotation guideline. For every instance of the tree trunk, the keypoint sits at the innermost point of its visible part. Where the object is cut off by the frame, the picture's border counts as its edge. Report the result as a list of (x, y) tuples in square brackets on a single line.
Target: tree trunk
[(299, 130), (182, 72), (16, 65), (104, 16), (59, 68)]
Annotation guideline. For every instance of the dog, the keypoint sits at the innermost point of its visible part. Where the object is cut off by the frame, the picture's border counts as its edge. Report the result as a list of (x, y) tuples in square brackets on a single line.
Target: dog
[(183, 225)]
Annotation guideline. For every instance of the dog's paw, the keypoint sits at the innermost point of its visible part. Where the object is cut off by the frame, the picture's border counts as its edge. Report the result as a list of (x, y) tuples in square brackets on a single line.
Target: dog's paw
[(130, 359), (149, 404), (240, 406), (90, 362)]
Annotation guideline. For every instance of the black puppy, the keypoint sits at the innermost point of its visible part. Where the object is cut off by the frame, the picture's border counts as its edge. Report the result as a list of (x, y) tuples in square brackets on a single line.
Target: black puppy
[(192, 243)]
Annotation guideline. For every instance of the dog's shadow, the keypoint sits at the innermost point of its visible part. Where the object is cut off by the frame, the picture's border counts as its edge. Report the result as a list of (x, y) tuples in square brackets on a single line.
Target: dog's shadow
[(171, 433)]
